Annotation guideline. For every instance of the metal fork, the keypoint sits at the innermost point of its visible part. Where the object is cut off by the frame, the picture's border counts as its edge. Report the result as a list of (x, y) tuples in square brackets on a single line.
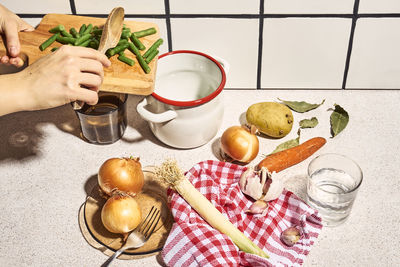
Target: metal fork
[(140, 235)]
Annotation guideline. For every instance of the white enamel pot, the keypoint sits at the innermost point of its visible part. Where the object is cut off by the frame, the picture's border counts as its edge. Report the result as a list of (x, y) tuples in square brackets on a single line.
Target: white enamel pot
[(186, 108)]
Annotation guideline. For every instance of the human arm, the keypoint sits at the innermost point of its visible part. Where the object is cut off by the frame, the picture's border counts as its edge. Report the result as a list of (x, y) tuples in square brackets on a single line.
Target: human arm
[(54, 80)]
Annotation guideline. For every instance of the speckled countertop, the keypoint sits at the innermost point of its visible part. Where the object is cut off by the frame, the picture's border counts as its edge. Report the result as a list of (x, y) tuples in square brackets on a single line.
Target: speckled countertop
[(45, 169)]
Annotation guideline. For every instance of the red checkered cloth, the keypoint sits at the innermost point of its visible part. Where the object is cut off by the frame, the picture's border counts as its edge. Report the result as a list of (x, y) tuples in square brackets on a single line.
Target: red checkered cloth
[(193, 242)]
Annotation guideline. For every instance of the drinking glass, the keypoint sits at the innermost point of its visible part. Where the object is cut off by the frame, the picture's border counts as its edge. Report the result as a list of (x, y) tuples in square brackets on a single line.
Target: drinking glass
[(105, 122), (332, 185)]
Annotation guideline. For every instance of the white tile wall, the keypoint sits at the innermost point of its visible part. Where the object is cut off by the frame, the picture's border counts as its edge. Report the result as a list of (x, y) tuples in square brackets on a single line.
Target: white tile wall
[(309, 6), (297, 52), (381, 6), (130, 6), (38, 6), (304, 53), (234, 40), (375, 55), (214, 7)]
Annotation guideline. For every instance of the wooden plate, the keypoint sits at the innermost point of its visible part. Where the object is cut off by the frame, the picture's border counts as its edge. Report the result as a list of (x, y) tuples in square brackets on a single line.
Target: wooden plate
[(153, 194)]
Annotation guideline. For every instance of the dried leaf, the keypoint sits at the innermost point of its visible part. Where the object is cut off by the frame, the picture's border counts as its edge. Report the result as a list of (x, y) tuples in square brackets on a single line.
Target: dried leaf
[(308, 123), (302, 106), (339, 120), (288, 144)]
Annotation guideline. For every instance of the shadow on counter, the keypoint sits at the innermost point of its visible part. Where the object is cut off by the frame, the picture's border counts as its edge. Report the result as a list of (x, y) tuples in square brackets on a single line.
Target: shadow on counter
[(21, 133)]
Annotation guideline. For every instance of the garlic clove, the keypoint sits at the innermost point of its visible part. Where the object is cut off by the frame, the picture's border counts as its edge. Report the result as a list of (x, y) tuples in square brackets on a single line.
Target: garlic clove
[(250, 183), (258, 207), (290, 236), (273, 187)]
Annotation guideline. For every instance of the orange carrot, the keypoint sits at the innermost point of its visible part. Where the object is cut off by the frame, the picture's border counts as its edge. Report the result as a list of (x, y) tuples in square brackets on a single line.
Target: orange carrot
[(289, 157)]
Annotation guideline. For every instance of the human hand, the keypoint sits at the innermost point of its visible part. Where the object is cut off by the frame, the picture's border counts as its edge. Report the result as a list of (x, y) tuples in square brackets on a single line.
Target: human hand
[(10, 25), (58, 78)]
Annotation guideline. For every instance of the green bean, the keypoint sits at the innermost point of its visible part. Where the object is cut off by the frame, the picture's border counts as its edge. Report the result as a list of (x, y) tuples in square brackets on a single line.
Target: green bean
[(139, 57), (97, 31), (65, 40), (82, 39), (82, 29), (134, 49), (122, 41), (150, 57), (117, 49), (54, 49), (94, 43), (153, 47), (89, 29), (57, 29), (146, 32), (126, 33), (137, 43), (85, 43), (74, 33), (48, 42), (125, 59), (66, 34)]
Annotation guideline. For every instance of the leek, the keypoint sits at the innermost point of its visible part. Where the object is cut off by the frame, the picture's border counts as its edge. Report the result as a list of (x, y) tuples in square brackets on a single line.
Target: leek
[(170, 173)]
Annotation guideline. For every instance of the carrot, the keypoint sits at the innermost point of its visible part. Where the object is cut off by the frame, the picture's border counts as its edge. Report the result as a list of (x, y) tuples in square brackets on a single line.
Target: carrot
[(289, 157)]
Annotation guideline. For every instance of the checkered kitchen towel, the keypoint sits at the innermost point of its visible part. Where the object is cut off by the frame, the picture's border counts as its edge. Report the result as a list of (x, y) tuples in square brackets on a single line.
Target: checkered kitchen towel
[(193, 242)]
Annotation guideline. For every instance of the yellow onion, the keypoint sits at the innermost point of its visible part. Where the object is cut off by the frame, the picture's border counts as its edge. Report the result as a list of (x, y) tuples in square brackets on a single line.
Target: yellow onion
[(121, 214), (240, 144), (123, 174)]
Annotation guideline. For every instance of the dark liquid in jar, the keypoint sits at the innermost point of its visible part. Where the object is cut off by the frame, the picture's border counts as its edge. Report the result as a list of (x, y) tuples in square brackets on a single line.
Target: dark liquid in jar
[(105, 104), (105, 122)]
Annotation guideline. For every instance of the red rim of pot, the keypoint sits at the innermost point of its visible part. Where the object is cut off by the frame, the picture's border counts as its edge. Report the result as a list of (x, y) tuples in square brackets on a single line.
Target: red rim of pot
[(197, 101)]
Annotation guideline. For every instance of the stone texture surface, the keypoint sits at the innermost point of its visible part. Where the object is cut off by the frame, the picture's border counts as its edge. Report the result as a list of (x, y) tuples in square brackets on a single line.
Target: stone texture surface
[(46, 169)]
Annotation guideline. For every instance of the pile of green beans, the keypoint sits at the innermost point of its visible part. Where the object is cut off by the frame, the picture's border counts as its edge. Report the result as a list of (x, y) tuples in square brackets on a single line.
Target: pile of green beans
[(89, 36)]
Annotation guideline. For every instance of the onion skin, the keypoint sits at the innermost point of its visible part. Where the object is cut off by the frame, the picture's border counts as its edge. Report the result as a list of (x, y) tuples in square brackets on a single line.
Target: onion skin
[(240, 144), (123, 174), (121, 214)]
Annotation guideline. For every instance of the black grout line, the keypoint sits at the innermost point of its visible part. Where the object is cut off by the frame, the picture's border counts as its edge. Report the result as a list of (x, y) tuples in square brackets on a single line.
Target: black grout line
[(310, 89), (351, 40), (260, 44), (73, 7), (168, 24), (379, 15), (233, 16)]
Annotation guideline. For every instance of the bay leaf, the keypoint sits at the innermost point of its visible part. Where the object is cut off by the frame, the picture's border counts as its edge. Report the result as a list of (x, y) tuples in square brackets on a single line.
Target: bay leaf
[(301, 106), (308, 123), (339, 120), (288, 144)]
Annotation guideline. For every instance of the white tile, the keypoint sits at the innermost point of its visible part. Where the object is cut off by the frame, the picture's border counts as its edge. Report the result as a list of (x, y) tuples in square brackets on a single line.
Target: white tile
[(214, 7), (375, 55), (33, 21), (130, 6), (38, 6), (381, 6), (235, 40), (308, 6), (162, 28), (304, 53)]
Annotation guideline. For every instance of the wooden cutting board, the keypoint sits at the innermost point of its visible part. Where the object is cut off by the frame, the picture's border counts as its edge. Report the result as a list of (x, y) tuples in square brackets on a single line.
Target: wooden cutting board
[(120, 77)]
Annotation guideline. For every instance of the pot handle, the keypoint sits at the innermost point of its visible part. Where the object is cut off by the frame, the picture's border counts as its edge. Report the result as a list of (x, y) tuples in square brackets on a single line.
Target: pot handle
[(154, 117), (223, 63)]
